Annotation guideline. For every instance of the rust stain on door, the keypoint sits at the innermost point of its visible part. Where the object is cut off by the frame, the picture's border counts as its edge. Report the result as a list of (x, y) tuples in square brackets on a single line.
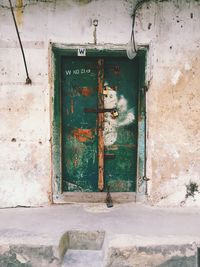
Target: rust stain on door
[(83, 135), (100, 126), (72, 105), (85, 91)]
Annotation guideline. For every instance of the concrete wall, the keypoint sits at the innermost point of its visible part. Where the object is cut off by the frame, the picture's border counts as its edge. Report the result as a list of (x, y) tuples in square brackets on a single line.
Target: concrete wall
[(170, 28)]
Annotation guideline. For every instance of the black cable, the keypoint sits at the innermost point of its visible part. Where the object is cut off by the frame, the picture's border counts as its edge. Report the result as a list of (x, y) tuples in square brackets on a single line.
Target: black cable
[(138, 5), (28, 80)]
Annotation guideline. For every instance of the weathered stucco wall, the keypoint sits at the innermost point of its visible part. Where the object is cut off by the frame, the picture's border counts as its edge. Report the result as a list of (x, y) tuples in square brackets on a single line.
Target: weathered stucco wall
[(173, 102), (170, 28)]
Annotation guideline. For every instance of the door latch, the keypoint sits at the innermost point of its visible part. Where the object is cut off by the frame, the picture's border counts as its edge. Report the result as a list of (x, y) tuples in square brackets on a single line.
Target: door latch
[(113, 111), (114, 114), (109, 201)]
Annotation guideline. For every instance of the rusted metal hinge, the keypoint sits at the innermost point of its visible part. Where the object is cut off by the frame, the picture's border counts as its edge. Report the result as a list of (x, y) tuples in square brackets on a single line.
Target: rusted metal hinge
[(144, 89), (145, 178)]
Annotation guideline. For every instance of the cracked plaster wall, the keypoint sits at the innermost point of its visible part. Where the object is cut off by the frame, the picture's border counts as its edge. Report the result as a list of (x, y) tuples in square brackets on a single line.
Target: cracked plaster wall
[(170, 28)]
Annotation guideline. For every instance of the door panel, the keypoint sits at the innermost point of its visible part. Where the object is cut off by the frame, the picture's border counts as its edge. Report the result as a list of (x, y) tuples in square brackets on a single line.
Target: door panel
[(79, 134), (79, 87), (121, 77)]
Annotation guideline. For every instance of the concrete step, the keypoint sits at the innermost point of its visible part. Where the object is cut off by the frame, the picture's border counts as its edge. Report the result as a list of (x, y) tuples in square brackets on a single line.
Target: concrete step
[(129, 236), (83, 258)]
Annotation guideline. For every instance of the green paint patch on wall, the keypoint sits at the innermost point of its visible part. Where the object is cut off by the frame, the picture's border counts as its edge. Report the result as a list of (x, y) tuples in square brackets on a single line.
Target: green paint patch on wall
[(83, 2)]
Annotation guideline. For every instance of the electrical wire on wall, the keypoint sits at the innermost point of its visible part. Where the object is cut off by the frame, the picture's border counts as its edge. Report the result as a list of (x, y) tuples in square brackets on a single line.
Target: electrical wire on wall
[(28, 80), (131, 47)]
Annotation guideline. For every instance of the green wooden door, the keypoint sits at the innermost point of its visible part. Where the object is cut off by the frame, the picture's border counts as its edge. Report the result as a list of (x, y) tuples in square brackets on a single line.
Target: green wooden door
[(80, 83)]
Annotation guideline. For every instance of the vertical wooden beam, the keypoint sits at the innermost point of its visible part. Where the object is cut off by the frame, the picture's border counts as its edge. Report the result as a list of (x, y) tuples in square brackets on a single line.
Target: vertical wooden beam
[(100, 125)]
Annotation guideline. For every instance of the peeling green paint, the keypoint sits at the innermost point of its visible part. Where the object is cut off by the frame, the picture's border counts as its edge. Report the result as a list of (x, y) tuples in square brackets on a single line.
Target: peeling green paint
[(123, 148), (83, 2), (79, 137)]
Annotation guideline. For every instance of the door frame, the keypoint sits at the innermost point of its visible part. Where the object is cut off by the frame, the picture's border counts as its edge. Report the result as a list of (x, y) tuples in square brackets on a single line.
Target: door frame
[(58, 196)]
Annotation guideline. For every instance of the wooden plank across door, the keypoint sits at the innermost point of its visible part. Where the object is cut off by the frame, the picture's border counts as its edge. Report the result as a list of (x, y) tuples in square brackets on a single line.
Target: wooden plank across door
[(100, 125)]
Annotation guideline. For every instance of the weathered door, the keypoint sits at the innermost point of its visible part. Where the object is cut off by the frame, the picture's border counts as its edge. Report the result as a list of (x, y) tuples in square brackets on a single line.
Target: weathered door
[(99, 100)]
